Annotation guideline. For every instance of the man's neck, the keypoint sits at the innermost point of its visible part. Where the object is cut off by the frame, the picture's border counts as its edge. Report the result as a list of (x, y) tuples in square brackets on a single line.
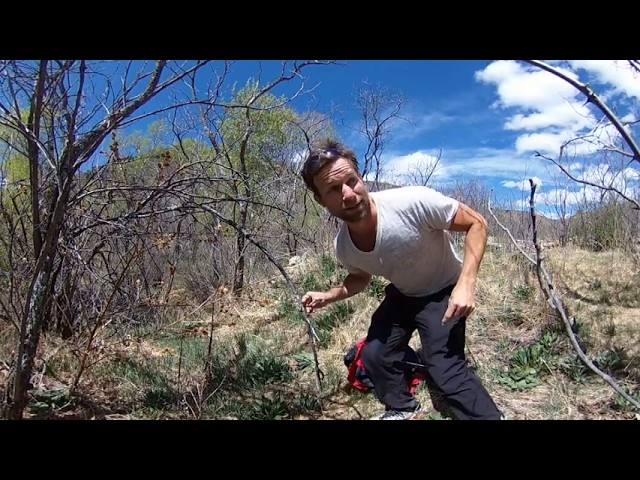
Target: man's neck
[(367, 223), (363, 232)]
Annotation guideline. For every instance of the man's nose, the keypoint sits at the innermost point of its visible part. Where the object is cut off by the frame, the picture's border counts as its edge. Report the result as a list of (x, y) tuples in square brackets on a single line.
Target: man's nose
[(347, 192)]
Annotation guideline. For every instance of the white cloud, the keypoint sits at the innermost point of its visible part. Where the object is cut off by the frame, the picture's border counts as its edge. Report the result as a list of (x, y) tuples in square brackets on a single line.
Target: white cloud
[(568, 115), (523, 184), (557, 203), (484, 163), (525, 87), (631, 173), (575, 166), (617, 73), (549, 143), (403, 165), (562, 196), (512, 184), (552, 112)]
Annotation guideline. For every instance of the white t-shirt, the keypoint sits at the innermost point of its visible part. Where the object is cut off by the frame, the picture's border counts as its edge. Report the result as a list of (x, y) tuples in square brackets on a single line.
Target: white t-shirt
[(413, 249)]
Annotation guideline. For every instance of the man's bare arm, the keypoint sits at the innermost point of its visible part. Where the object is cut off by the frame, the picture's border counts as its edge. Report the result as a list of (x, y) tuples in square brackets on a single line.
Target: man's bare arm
[(353, 284), (462, 300)]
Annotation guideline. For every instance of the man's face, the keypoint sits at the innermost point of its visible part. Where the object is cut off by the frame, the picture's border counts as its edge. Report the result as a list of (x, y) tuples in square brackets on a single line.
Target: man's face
[(342, 191)]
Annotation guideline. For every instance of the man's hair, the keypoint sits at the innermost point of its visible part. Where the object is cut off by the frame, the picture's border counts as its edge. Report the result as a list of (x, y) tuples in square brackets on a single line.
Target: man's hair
[(324, 151)]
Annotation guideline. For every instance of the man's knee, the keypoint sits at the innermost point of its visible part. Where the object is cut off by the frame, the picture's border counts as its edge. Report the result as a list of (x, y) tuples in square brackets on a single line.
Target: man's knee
[(448, 377), (372, 354)]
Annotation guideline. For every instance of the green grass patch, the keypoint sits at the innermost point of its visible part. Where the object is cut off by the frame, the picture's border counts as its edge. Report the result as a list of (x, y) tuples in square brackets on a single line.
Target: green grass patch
[(529, 361)]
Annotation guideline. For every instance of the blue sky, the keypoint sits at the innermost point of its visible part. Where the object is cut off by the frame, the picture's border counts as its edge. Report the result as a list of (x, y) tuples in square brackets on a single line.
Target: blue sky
[(488, 118)]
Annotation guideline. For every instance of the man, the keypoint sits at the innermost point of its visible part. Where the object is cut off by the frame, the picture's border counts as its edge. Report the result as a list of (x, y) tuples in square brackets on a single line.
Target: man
[(402, 235)]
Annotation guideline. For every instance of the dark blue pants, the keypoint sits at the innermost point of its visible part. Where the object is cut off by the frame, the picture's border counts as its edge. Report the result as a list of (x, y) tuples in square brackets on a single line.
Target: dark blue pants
[(392, 326)]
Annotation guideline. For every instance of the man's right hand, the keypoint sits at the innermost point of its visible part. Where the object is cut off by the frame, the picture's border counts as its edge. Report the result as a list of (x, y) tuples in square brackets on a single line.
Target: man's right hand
[(354, 283), (315, 300)]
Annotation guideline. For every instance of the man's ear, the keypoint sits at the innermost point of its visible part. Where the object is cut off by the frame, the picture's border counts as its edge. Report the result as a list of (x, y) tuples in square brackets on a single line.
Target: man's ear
[(318, 199)]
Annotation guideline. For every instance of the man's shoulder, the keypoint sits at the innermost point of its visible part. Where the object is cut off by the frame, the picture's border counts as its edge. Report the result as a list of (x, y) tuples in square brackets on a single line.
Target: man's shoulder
[(413, 194), (405, 191), (340, 234), (408, 195)]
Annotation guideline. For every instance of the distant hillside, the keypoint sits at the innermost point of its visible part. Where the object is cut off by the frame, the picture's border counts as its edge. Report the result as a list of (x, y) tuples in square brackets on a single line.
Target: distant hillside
[(519, 224)]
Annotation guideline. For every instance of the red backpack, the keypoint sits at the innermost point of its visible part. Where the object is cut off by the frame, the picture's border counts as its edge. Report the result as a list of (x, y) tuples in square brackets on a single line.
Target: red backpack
[(357, 376)]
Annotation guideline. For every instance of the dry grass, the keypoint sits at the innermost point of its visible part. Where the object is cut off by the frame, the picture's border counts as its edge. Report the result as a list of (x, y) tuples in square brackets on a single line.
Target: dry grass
[(601, 290), (511, 311)]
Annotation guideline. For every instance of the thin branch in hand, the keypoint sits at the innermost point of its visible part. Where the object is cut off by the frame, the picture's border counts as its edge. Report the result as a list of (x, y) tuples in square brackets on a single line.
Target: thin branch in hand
[(314, 337)]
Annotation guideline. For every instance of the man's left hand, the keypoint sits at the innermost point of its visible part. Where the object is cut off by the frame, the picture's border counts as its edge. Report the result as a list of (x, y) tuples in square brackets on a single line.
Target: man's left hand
[(461, 302)]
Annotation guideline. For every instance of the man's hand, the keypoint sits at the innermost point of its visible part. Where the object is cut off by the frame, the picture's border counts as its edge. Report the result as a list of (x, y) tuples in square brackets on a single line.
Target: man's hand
[(315, 300), (352, 284), (461, 302)]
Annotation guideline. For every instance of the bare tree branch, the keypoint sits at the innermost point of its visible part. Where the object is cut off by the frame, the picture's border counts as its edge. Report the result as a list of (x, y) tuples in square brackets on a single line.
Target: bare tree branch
[(588, 183), (420, 172), (595, 99), (508, 232), (554, 298), (378, 108)]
